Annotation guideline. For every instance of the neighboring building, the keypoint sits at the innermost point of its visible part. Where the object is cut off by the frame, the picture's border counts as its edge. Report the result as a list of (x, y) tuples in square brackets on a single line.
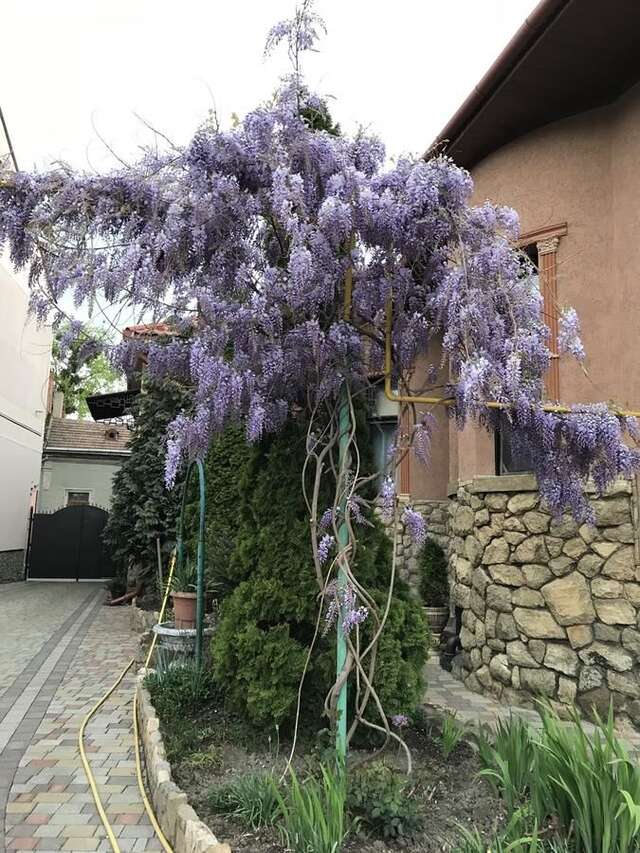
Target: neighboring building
[(79, 461), (25, 355), (548, 606)]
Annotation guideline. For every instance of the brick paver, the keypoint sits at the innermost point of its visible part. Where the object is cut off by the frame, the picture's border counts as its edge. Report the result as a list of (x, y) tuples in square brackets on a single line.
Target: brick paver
[(73, 648)]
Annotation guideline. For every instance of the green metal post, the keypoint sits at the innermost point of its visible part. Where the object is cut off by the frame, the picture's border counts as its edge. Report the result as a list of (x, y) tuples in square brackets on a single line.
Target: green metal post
[(343, 541), (199, 554)]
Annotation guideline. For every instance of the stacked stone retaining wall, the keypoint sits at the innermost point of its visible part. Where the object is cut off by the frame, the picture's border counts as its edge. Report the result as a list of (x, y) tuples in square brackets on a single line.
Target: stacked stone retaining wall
[(549, 606)]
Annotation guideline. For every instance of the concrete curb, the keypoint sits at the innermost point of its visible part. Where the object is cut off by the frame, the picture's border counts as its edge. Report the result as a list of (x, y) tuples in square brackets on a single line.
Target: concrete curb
[(181, 825)]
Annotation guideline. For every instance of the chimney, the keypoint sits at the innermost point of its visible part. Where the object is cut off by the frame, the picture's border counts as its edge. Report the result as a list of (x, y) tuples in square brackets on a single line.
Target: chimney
[(57, 410)]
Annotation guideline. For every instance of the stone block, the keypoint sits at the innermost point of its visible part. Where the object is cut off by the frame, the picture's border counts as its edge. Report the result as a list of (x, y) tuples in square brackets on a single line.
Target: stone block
[(461, 595), (490, 622), (590, 678), (499, 668), (562, 658), (484, 676), (496, 644), (597, 702), (606, 588), (561, 565), (537, 575), (496, 502), (536, 522), (472, 550), (481, 517), (462, 569), (615, 611), (624, 682), (569, 600), (507, 575), (605, 549), (537, 624), (564, 527), (623, 533), (537, 649), (496, 551), (506, 627), (477, 604), (601, 654), (554, 545), (513, 524), (574, 548), (606, 633), (631, 640), (525, 597), (539, 681), (532, 550), (499, 598), (567, 690), (588, 533), (514, 538), (463, 520), (579, 635), (480, 580), (522, 502), (632, 591), (590, 565), (621, 565), (519, 655), (612, 511)]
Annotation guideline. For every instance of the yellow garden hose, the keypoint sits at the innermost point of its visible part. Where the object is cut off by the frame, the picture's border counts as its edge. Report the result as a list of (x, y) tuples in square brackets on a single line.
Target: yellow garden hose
[(85, 763)]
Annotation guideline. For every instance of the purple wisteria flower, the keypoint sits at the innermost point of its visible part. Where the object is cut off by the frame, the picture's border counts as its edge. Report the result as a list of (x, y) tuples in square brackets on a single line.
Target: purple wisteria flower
[(399, 721), (387, 498), (324, 547), (342, 604), (569, 334), (326, 519), (415, 524)]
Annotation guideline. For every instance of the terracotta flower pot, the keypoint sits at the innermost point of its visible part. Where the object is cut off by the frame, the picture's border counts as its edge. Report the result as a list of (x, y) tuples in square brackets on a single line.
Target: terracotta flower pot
[(184, 609)]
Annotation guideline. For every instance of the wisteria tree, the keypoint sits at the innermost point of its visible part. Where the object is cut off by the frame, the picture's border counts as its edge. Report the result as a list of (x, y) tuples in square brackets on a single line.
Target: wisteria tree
[(277, 250)]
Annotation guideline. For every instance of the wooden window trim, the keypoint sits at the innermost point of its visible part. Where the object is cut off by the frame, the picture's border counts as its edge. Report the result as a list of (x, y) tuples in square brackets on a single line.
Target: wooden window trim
[(547, 240)]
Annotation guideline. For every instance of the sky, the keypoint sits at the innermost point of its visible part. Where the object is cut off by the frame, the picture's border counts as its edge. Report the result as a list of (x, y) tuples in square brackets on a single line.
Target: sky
[(77, 76), (74, 71)]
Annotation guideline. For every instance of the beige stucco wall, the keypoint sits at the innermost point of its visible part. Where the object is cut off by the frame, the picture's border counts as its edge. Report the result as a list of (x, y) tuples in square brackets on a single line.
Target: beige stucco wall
[(25, 351), (584, 171)]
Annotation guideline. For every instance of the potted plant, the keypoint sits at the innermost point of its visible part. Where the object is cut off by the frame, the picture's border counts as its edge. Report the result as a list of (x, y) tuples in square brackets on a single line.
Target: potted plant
[(434, 585), (183, 586)]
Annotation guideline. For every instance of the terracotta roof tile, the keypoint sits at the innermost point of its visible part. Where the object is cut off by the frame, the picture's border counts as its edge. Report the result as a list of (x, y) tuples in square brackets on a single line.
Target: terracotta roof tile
[(70, 434)]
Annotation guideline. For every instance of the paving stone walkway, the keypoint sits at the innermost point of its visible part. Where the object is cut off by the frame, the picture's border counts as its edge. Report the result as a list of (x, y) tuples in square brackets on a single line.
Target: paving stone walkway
[(447, 693), (61, 650)]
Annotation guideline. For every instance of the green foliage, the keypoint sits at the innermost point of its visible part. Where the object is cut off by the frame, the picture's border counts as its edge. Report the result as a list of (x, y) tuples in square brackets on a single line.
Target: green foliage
[(142, 508), (176, 692), (268, 621), (184, 576), (434, 584), (378, 796), (78, 377), (251, 799), (451, 734), (586, 784), (521, 835), (224, 468), (312, 815), (508, 758)]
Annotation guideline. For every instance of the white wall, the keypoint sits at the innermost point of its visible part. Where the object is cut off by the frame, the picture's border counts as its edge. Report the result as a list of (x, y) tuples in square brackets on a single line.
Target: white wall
[(60, 475), (25, 353)]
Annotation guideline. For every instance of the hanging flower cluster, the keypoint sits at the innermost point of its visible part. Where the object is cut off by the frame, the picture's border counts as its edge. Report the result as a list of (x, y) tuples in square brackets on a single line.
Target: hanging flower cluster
[(243, 240), (342, 604)]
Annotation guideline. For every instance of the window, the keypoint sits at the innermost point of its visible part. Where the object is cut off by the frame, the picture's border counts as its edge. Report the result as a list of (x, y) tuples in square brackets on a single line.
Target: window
[(78, 498), (383, 435), (510, 458)]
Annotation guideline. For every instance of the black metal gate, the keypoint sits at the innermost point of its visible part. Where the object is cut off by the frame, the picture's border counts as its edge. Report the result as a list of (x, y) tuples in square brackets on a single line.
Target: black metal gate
[(67, 545)]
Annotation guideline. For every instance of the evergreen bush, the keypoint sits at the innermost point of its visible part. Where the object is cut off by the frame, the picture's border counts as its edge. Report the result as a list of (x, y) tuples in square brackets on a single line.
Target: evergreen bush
[(142, 508), (434, 583), (267, 623)]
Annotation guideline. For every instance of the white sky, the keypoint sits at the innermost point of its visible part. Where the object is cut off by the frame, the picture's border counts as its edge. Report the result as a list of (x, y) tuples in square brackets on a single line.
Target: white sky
[(401, 68)]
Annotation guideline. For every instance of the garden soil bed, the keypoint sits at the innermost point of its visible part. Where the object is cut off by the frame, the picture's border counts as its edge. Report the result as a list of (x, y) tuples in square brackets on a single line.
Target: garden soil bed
[(448, 792)]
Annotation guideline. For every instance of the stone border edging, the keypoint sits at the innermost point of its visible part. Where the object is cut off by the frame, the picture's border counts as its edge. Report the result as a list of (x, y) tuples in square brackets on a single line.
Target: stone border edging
[(179, 822)]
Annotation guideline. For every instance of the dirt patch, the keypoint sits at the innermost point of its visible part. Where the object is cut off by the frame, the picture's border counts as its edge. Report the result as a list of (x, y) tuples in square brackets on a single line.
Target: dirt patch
[(448, 791)]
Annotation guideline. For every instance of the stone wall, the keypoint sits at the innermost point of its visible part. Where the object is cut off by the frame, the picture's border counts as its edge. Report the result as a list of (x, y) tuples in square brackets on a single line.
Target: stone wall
[(549, 606), (11, 566), (407, 552)]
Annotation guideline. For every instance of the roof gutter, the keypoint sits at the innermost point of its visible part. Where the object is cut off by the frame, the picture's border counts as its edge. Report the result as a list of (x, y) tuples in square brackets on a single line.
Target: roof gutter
[(86, 451), (542, 17)]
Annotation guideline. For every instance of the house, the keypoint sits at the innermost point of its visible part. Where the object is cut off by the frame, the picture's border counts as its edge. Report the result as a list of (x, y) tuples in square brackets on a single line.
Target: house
[(549, 606), (25, 355), (79, 461)]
